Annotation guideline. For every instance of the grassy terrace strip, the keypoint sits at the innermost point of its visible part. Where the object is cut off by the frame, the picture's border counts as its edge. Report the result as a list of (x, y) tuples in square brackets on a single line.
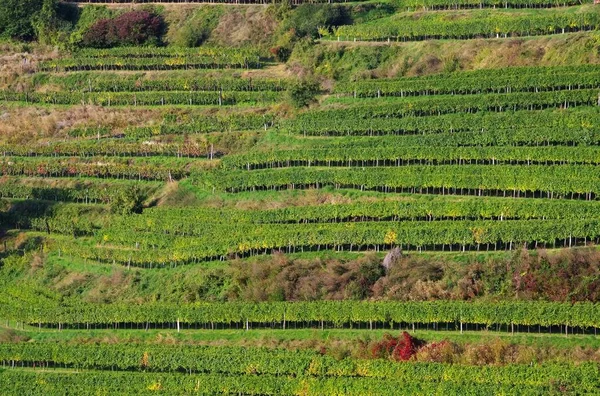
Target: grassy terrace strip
[(37, 311), (474, 24), (506, 80), (116, 383), (223, 336), (551, 181), (234, 121), (263, 361), (137, 168), (47, 216), (76, 190), (401, 156), (139, 82), (149, 98), (218, 242), (500, 126), (437, 105)]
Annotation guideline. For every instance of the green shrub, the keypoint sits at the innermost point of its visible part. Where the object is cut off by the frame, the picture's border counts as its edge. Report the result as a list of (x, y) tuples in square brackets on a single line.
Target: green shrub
[(306, 20), (89, 16), (16, 18), (303, 92)]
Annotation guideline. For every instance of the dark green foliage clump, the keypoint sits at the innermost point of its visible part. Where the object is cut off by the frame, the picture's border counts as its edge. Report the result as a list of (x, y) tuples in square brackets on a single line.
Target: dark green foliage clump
[(308, 18), (16, 18), (303, 93)]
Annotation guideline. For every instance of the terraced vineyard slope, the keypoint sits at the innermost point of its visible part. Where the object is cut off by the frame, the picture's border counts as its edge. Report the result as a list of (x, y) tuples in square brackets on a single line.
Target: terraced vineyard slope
[(395, 197)]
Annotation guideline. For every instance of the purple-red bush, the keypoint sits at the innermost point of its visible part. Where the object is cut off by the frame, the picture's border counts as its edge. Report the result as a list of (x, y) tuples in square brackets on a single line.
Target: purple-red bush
[(400, 349), (130, 28)]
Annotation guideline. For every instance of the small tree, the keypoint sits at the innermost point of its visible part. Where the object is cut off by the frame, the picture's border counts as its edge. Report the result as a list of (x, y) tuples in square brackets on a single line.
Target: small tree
[(303, 92), (16, 16)]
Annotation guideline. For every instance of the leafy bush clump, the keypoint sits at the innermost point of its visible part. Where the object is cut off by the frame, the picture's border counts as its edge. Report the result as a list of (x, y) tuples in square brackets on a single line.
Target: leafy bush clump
[(130, 28), (311, 20), (15, 18), (303, 92)]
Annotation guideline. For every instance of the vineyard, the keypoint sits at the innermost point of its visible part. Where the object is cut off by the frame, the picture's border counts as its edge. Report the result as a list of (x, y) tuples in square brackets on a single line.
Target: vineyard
[(300, 198), (475, 24)]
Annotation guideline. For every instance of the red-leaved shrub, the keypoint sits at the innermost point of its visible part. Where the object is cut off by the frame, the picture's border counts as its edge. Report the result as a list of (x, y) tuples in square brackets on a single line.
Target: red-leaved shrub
[(130, 28), (400, 349), (97, 35)]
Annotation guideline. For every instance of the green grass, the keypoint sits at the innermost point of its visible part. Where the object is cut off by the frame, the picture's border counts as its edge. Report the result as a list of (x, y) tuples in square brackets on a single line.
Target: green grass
[(240, 337)]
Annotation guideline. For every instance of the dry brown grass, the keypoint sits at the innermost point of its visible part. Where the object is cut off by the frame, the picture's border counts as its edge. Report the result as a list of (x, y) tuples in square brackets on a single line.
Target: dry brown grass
[(20, 124), (71, 282), (108, 287), (244, 25), (427, 57), (18, 60)]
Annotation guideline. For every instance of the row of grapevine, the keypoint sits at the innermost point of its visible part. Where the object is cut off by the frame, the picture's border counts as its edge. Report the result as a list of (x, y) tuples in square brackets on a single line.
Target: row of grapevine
[(445, 104), (384, 134), (517, 79), (187, 221), (336, 312), (405, 27), (411, 155), (370, 155), (372, 121), (111, 82), (280, 362), (159, 168), (78, 219), (107, 147), (168, 52), (554, 180), (219, 241), (147, 98), (41, 383), (114, 63), (76, 190)]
